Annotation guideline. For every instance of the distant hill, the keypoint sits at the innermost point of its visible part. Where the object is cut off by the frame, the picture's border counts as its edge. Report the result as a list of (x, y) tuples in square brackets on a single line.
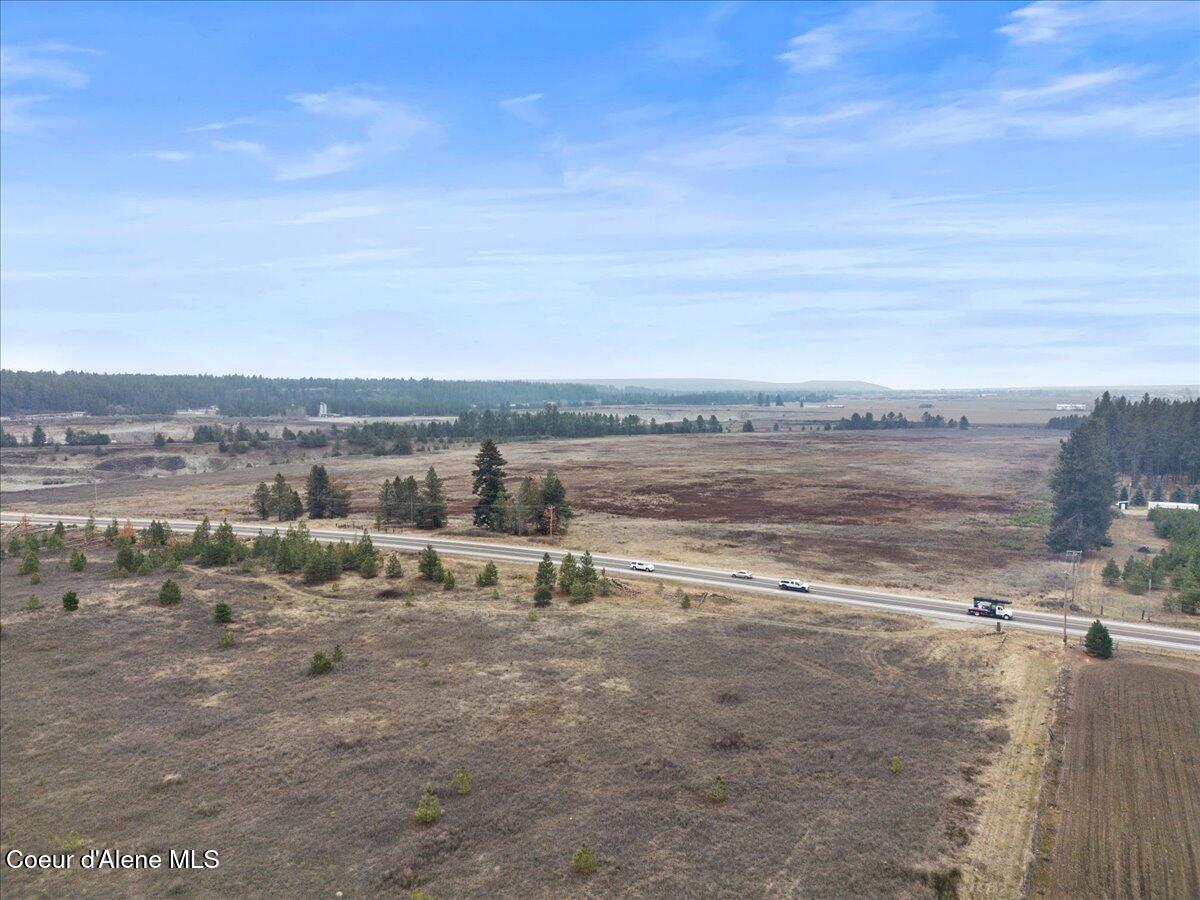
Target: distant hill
[(733, 384)]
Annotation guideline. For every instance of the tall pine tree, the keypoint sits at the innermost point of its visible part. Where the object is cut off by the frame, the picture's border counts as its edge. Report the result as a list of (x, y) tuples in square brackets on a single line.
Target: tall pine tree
[(1082, 484), (431, 505), (488, 486)]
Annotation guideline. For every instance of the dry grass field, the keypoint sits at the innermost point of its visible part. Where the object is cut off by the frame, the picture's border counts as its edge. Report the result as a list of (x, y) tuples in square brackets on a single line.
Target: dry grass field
[(125, 724), (1126, 815), (948, 513)]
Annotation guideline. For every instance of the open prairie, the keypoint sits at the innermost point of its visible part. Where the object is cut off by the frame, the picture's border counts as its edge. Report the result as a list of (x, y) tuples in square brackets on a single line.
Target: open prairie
[(947, 512), (855, 748)]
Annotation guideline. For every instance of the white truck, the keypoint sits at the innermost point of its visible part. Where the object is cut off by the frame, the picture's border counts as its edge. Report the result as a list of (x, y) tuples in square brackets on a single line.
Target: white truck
[(990, 608)]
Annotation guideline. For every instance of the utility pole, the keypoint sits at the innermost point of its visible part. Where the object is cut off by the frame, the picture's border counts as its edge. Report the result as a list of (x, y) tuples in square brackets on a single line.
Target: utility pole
[(1074, 556)]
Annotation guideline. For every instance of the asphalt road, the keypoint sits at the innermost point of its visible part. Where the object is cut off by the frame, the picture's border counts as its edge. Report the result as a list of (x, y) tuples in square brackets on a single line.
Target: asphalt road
[(1179, 639)]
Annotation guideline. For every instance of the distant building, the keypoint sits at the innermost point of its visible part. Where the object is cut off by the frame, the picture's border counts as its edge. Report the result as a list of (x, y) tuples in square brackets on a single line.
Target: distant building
[(1070, 407), (323, 410), (1167, 504), (835, 405), (206, 411)]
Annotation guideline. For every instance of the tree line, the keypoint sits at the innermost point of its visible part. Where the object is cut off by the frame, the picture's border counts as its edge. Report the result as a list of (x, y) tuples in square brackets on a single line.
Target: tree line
[(323, 498), (1148, 438), (249, 395), (868, 422)]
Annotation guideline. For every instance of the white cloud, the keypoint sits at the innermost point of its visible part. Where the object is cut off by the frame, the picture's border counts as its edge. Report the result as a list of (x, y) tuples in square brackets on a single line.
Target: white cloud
[(387, 126), (18, 114), (41, 64), (524, 108), (1069, 84), (170, 155), (221, 126), (1058, 21), (825, 46)]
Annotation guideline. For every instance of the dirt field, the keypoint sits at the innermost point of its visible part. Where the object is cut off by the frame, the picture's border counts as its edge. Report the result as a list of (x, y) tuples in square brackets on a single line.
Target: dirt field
[(1126, 814), (125, 724), (949, 513)]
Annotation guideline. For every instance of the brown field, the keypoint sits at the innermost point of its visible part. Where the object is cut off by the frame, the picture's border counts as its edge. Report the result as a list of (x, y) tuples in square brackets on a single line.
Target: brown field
[(1126, 817), (124, 724), (941, 512)]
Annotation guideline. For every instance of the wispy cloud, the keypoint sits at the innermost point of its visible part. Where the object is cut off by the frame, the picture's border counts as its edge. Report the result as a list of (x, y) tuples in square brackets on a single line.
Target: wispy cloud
[(1063, 21), (524, 108), (46, 67), (221, 126), (173, 156), (827, 45), (386, 126), (44, 64)]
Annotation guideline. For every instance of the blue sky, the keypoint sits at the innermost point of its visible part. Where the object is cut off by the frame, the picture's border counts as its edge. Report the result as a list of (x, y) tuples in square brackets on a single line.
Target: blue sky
[(920, 195)]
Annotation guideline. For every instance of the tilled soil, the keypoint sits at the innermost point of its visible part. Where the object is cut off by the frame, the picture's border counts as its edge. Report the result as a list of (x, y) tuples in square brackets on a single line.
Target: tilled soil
[(1128, 807)]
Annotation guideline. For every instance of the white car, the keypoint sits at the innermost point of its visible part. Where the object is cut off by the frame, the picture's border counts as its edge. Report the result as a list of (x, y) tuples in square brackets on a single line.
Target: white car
[(639, 566), (743, 574), (793, 584)]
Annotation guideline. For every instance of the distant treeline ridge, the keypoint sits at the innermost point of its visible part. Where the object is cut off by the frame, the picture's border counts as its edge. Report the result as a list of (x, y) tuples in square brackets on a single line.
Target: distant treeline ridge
[(247, 395)]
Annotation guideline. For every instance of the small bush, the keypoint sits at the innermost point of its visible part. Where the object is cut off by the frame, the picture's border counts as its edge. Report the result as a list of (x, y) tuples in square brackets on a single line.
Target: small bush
[(76, 561), (30, 564), (461, 781), (418, 894), (226, 639), (336, 656), (222, 613), (533, 616), (429, 807), (246, 567), (717, 791), (423, 662), (35, 578), (488, 577), (603, 586), (320, 664), (169, 594), (541, 596), (584, 860), (685, 602), (367, 567), (582, 591), (448, 580), (896, 765), (70, 601), (34, 603)]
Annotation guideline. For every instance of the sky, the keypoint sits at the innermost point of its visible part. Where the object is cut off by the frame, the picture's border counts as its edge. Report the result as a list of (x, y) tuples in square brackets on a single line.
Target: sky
[(916, 195)]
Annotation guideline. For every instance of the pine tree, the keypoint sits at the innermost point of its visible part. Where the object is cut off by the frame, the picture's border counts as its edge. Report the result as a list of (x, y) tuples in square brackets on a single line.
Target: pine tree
[(488, 486), (1111, 573), (543, 581), (316, 490), (568, 571), (39, 436), (431, 505), (428, 564), (261, 501), (963, 423), (1124, 495), (1139, 498), (714, 426), (747, 426), (1082, 484), (488, 577), (587, 569), (393, 568), (554, 502), (1098, 641)]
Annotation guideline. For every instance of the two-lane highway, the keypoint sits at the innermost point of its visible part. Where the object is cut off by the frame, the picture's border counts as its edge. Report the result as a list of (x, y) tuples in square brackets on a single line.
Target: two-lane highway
[(1180, 639)]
